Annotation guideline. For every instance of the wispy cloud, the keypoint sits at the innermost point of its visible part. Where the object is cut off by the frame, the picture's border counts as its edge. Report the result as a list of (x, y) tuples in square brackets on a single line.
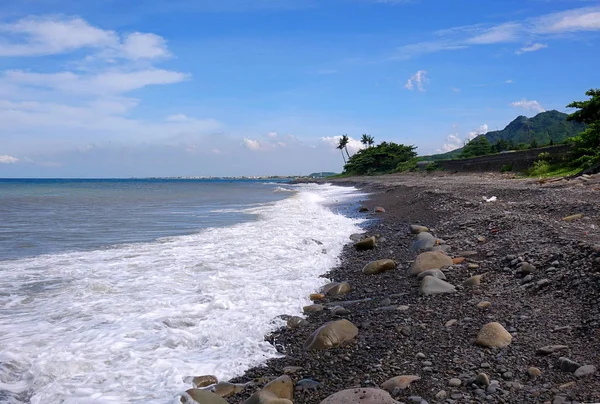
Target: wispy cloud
[(418, 79), (6, 159), (531, 48), (576, 20), (532, 106)]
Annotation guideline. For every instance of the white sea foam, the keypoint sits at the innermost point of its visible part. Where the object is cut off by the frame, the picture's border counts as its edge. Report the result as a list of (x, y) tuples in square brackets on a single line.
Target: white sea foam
[(128, 324)]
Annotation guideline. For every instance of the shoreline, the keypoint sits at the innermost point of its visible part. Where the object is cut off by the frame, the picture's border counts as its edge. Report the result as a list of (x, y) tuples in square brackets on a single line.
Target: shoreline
[(402, 332)]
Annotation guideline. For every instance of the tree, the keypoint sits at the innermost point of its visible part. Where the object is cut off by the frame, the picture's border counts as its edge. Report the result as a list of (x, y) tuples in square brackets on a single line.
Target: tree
[(344, 142), (585, 152), (380, 159), (480, 146), (367, 140), (341, 145)]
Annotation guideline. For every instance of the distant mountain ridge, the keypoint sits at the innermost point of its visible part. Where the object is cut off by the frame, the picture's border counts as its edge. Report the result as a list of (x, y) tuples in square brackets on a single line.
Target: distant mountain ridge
[(544, 128)]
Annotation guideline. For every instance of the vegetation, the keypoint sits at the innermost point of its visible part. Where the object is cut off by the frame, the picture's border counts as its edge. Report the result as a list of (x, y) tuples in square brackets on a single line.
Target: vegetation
[(586, 147), (343, 145), (506, 168), (367, 140), (480, 146), (381, 159)]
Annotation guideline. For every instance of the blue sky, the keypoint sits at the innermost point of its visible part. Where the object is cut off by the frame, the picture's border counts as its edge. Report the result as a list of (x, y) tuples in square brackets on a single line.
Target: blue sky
[(111, 88)]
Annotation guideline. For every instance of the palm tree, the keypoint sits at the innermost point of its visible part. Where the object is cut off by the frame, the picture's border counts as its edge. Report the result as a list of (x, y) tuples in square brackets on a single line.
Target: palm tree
[(341, 146), (344, 143), (364, 139), (370, 140)]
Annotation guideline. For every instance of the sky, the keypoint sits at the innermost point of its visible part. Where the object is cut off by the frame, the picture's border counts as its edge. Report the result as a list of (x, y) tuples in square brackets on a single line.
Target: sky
[(112, 88)]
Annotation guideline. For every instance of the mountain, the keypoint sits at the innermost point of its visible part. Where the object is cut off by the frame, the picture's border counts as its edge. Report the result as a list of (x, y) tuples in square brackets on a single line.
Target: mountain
[(545, 127)]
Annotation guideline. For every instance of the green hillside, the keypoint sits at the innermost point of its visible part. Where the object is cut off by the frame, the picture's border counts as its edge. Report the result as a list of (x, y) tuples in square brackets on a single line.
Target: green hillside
[(543, 129)]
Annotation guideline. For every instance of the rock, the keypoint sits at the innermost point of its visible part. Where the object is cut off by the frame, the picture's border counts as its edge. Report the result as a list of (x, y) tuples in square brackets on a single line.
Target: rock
[(526, 268), (566, 386), (331, 334), (560, 400), (507, 375), (399, 382), (473, 266), (416, 229), (493, 335), (482, 379), (379, 209), (203, 397), (203, 381), (484, 304), (481, 239), (363, 209), (432, 272), (467, 253), (420, 355), (296, 322), (473, 281), (573, 217), (550, 349), (458, 260), (336, 288), (339, 311), (307, 384), (360, 396), (534, 372), (585, 370), (441, 395), (454, 382), (313, 308), (429, 260), (542, 282), (226, 389), (434, 286), (316, 296), (279, 391), (450, 323), (527, 279), (365, 244), (379, 266), (567, 365), (292, 369), (357, 237)]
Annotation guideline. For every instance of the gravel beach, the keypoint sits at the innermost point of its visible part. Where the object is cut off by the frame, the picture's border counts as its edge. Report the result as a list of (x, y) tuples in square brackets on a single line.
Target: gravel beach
[(536, 246)]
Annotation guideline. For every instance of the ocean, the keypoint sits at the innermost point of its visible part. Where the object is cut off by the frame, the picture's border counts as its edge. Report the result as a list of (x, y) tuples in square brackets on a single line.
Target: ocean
[(116, 291)]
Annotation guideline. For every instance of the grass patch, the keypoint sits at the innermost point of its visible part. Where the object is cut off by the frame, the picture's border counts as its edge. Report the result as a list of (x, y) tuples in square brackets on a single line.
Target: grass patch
[(552, 170)]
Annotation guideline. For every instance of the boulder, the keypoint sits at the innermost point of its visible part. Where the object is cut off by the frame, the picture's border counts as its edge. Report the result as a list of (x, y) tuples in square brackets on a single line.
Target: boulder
[(567, 365), (493, 335), (336, 288), (331, 334), (313, 308), (423, 241), (433, 286), (473, 281), (296, 322), (360, 396), (416, 229), (585, 370), (279, 391), (379, 209), (226, 389), (436, 273), (202, 397), (357, 236), (203, 381), (316, 296), (379, 266), (399, 382), (429, 260), (339, 311), (534, 372), (366, 244)]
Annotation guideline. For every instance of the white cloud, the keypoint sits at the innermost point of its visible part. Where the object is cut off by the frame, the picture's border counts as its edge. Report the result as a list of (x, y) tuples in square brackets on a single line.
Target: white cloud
[(144, 46), (532, 106), (499, 34), (251, 144), (509, 81), (581, 19), (482, 130), (6, 159), (179, 118), (418, 79), (272, 134), (531, 48), (455, 89), (454, 141)]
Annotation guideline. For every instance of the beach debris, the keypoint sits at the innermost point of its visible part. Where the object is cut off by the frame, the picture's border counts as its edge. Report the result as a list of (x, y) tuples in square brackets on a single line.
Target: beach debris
[(331, 334), (379, 266), (493, 335), (490, 199), (429, 260)]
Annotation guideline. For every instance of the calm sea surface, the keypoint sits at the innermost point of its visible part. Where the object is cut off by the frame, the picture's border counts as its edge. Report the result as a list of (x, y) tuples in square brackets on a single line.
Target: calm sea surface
[(115, 291)]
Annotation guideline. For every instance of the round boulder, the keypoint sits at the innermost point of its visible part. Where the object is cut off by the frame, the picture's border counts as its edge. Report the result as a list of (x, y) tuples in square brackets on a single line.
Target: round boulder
[(336, 288), (416, 229), (429, 260), (360, 396), (313, 308), (331, 334), (366, 244), (379, 266), (493, 335), (296, 322), (203, 381), (198, 396), (424, 241), (436, 273), (431, 285)]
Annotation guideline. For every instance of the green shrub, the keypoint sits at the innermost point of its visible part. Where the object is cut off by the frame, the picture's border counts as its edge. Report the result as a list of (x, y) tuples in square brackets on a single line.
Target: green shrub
[(540, 168), (410, 165), (506, 168), (432, 166)]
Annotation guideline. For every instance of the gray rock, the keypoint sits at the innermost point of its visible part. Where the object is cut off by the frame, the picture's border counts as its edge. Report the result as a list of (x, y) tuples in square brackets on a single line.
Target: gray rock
[(550, 349), (585, 370), (339, 311), (543, 282), (454, 382), (360, 395), (296, 322), (307, 384), (434, 286), (416, 229), (527, 279), (357, 237), (527, 268), (482, 379), (432, 272), (365, 244), (567, 365), (421, 355)]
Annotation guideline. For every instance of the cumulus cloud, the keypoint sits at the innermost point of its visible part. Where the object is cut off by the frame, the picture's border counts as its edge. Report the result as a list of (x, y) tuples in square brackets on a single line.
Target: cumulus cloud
[(482, 130), (6, 159), (454, 141), (532, 105), (251, 144), (531, 48), (144, 46), (418, 79), (270, 141), (353, 146), (272, 134)]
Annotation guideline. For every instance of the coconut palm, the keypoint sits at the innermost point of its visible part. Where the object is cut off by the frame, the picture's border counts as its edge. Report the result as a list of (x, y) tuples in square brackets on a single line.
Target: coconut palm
[(364, 139), (344, 143), (341, 146), (370, 140)]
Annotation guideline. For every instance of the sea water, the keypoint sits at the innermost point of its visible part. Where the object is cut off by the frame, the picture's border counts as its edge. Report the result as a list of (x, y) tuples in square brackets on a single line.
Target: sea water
[(115, 291)]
